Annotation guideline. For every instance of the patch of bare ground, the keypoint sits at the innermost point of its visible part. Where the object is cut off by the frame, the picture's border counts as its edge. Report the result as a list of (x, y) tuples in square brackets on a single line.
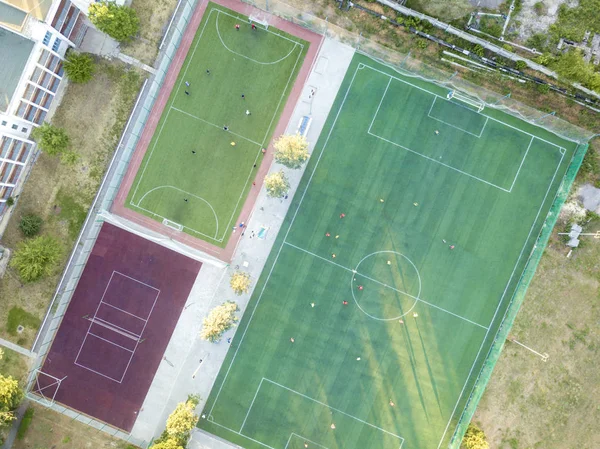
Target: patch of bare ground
[(552, 405), (94, 115), (154, 19), (51, 430)]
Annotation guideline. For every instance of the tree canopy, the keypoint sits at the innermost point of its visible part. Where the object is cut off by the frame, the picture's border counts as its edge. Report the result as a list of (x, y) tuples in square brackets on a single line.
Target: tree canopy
[(475, 438), (291, 150), (36, 258), (80, 67), (182, 420), (51, 139), (277, 184), (119, 22), (10, 397), (240, 282), (219, 320)]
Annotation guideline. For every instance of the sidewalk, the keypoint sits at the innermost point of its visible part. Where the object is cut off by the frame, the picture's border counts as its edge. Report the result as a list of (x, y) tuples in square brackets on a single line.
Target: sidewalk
[(196, 363)]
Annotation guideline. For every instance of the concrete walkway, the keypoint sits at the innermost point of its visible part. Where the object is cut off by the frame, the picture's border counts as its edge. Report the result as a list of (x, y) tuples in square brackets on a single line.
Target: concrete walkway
[(10, 345), (190, 366)]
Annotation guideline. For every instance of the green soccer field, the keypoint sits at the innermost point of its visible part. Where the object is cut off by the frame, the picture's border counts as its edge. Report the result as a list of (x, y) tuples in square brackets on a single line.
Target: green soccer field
[(437, 229), (195, 174)]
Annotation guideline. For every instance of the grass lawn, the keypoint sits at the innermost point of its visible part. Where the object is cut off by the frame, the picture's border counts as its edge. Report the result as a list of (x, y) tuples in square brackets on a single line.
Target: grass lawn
[(51, 430), (368, 329), (94, 115), (195, 173)]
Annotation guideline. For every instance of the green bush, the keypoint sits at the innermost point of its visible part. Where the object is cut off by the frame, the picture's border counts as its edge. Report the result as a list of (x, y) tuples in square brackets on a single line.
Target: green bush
[(25, 423), (36, 258), (10, 201), (520, 65), (80, 67), (30, 225), (51, 139), (540, 8), (119, 22), (542, 88)]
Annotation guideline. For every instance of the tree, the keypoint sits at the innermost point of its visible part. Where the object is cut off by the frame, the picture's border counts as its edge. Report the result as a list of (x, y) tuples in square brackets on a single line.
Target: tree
[(220, 319), (181, 422), (277, 184), (119, 22), (167, 443), (51, 139), (475, 438), (291, 151), (36, 257), (10, 397), (240, 282), (80, 67), (30, 225)]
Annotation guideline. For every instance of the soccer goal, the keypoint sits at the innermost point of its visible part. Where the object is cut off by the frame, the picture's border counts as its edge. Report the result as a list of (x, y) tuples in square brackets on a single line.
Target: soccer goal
[(259, 20), (172, 225), (477, 104)]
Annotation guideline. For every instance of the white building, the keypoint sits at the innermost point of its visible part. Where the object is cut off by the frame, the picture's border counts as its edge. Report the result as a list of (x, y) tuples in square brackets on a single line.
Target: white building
[(34, 36)]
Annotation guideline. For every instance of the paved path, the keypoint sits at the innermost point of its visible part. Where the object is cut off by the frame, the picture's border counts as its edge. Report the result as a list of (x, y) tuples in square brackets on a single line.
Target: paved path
[(190, 365), (17, 348)]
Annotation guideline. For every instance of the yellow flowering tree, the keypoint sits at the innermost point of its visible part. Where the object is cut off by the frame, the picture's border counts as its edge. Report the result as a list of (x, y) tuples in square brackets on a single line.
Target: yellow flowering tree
[(240, 282), (168, 443), (277, 184), (475, 438), (220, 319), (291, 150), (182, 420), (10, 397)]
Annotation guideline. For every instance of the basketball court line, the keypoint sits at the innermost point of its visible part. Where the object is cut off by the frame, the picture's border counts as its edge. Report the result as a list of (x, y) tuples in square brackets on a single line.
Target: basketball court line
[(94, 318), (341, 107), (454, 126), (248, 179)]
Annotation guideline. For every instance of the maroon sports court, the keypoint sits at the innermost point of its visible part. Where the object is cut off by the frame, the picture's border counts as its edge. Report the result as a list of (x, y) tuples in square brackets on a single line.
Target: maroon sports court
[(117, 327)]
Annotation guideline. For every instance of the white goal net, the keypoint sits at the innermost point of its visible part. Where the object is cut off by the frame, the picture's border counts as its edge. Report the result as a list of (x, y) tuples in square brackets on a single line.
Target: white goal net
[(477, 104), (257, 20)]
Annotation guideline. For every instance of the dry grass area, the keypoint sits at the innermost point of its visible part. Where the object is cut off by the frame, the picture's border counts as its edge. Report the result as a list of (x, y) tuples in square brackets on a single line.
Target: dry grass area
[(530, 404), (15, 365), (51, 430), (154, 18), (94, 116), (445, 10)]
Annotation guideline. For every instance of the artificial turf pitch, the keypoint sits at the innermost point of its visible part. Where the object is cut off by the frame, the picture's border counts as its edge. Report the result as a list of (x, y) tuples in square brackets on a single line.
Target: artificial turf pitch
[(483, 185), (195, 173)]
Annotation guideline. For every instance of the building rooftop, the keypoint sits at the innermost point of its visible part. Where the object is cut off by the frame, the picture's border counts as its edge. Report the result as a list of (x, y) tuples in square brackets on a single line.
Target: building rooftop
[(14, 52), (37, 8)]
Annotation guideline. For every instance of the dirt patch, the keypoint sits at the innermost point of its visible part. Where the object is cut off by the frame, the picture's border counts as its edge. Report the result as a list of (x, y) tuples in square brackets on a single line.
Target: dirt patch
[(446, 10), (532, 404), (94, 115), (49, 429), (532, 22), (154, 18)]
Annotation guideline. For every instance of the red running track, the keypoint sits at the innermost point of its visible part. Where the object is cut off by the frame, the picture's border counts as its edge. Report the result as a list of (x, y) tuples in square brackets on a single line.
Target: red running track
[(117, 327)]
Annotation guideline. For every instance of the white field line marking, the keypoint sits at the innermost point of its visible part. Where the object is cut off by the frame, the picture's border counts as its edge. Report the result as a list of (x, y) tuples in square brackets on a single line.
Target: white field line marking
[(292, 435), (442, 163), (336, 409), (523, 161), (264, 139), (357, 273), (433, 93), (187, 193), (216, 126), (246, 57), (191, 58), (454, 126), (501, 301), (242, 435), (281, 247), (251, 404)]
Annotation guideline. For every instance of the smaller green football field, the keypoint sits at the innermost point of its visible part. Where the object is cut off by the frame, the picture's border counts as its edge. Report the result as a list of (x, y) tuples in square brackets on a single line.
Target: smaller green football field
[(226, 102)]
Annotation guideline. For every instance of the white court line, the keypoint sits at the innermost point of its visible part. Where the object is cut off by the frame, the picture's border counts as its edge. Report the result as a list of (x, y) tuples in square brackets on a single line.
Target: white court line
[(500, 302), (124, 311), (191, 58), (216, 126), (523, 161), (138, 281), (96, 372), (454, 126), (418, 299), (111, 342), (244, 56)]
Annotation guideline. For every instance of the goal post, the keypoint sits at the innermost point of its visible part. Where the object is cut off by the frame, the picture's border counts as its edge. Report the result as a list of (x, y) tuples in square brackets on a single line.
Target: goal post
[(473, 102), (172, 225), (255, 19)]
